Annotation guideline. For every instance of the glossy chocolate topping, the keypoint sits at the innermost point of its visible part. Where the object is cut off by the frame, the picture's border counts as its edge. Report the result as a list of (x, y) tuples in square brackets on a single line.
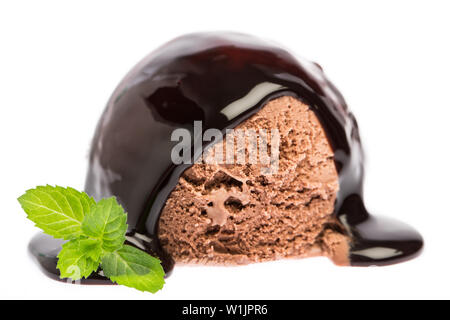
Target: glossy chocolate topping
[(222, 79)]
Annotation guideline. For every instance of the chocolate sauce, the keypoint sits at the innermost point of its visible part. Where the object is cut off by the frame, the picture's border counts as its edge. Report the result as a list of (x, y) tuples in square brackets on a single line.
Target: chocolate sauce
[(194, 78)]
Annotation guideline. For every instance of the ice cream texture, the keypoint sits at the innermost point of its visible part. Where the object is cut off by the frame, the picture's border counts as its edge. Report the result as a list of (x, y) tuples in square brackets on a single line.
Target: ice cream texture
[(236, 214)]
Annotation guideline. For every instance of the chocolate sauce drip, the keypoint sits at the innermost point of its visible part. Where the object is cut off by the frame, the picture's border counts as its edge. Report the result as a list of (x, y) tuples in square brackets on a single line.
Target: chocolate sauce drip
[(222, 79)]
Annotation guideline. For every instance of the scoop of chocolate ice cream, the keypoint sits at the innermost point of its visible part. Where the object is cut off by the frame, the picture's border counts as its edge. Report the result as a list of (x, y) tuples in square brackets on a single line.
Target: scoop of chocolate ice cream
[(237, 214), (207, 212)]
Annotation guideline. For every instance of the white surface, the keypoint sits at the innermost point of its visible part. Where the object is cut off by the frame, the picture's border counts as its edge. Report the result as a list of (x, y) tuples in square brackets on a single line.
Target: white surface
[(59, 63)]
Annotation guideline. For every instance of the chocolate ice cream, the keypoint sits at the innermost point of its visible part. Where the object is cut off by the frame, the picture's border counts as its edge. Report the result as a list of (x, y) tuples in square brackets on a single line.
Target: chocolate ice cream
[(216, 213), (234, 214)]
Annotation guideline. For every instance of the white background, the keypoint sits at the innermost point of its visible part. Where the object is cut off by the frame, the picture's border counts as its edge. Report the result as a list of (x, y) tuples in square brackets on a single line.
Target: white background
[(60, 61)]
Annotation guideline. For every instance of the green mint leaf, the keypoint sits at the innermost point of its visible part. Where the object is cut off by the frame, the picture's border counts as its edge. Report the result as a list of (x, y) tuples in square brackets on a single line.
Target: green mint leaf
[(85, 200), (91, 247), (133, 268), (75, 260), (58, 211), (107, 222)]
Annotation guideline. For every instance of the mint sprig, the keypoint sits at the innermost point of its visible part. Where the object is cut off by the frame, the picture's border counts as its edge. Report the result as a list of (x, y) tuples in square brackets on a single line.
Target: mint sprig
[(96, 233)]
